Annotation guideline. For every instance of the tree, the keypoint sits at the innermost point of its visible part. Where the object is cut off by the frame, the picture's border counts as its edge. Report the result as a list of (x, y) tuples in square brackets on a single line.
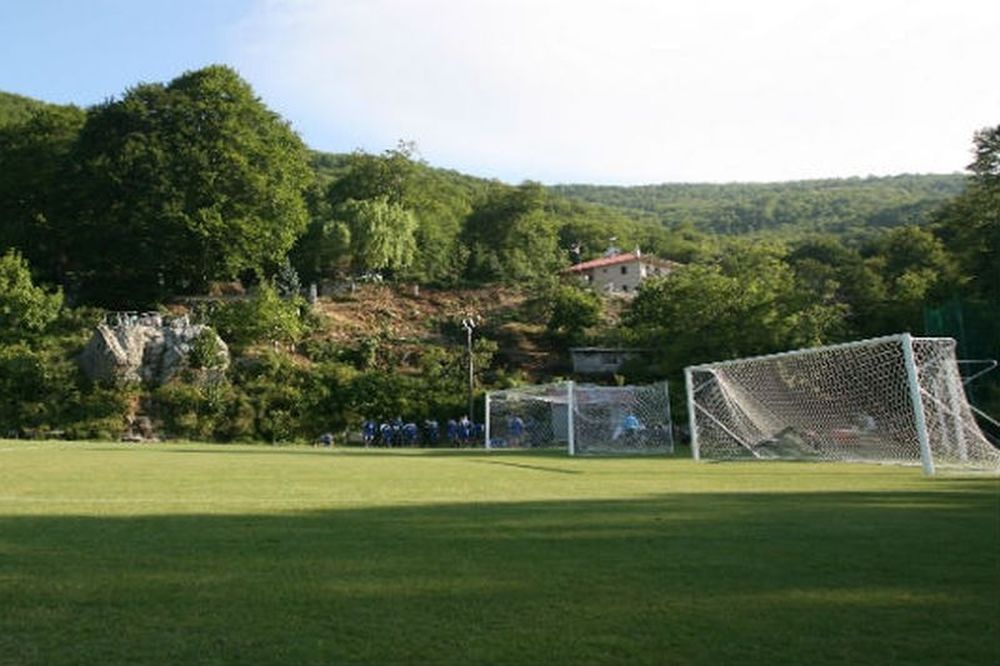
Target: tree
[(970, 228), (389, 175), (381, 233), (24, 308), (573, 310), (746, 304), (985, 167), (183, 184), (970, 224), (509, 236), (917, 270), (838, 274), (323, 251), (36, 181)]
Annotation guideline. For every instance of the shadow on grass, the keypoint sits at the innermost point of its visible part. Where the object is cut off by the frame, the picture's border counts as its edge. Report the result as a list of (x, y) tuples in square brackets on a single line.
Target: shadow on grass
[(264, 449), (818, 578), (537, 468)]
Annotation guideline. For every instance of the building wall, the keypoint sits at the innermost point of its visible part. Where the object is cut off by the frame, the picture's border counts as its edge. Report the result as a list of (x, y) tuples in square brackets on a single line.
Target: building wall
[(599, 361), (623, 278)]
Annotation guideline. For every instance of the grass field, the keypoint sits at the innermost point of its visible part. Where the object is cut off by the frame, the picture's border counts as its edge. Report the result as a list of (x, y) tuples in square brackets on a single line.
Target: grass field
[(200, 554)]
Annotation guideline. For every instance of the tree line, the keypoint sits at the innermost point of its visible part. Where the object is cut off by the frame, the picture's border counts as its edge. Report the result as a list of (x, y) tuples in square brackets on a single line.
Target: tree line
[(851, 206)]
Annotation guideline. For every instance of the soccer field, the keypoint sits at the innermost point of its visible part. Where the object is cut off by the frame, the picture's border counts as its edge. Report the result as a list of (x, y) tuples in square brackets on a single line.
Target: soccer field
[(209, 554)]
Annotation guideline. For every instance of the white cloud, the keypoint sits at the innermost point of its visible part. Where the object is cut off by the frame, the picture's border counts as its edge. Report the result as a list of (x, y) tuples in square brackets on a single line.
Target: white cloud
[(634, 90)]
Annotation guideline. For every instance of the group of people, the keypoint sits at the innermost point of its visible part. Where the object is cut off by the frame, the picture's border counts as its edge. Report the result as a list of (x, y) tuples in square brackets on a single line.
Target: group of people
[(462, 432), (395, 433)]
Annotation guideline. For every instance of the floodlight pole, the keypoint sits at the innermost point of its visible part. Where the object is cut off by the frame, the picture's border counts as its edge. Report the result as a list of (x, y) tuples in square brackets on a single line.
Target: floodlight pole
[(469, 324)]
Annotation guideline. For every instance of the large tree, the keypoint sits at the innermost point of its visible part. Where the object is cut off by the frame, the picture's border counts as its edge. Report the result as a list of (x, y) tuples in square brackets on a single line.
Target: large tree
[(36, 179), (185, 183), (397, 189), (510, 237), (970, 227), (381, 234), (747, 303), (971, 222)]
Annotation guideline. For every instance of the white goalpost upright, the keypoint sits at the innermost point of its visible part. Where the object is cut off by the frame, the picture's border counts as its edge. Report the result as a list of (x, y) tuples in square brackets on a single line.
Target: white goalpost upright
[(582, 418), (894, 399)]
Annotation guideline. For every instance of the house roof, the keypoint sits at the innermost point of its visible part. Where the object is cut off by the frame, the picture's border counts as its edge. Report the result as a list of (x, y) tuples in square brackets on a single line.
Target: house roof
[(614, 260)]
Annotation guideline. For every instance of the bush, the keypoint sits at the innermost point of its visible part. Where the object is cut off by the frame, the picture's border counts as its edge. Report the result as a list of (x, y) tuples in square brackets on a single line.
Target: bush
[(573, 311), (263, 318), (100, 412), (24, 308), (205, 352)]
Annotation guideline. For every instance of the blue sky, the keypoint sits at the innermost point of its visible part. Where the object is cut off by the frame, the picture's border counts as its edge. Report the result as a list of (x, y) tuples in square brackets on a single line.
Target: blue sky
[(600, 91)]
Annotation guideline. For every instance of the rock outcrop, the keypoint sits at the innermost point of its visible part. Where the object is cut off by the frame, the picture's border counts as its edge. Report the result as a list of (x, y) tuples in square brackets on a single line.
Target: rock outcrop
[(147, 348)]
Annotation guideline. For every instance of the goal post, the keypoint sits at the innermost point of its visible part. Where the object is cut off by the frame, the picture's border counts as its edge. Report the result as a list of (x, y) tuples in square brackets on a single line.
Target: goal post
[(530, 417), (894, 399), (583, 419)]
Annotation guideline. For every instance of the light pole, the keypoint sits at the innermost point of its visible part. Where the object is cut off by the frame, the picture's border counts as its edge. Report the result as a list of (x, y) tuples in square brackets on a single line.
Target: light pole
[(469, 324)]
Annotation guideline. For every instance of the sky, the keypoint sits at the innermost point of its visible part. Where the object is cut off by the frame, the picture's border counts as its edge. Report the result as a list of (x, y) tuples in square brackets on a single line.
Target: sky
[(618, 92)]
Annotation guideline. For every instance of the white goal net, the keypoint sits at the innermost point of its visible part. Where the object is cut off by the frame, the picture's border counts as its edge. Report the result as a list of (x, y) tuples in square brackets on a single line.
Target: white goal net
[(582, 418), (896, 399)]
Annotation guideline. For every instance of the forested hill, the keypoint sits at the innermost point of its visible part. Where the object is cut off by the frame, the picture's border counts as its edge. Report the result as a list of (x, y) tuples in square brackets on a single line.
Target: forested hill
[(858, 207), (16, 108), (788, 208)]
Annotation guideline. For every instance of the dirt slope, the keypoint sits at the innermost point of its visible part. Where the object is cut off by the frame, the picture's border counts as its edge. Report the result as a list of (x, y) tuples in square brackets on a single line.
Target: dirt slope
[(401, 315)]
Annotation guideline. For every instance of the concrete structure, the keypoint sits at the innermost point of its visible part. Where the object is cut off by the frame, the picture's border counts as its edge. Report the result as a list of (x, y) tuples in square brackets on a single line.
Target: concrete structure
[(601, 360), (617, 273)]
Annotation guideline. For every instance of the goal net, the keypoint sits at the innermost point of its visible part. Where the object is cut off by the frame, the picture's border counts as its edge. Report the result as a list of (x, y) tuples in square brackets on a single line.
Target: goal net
[(582, 418), (896, 399)]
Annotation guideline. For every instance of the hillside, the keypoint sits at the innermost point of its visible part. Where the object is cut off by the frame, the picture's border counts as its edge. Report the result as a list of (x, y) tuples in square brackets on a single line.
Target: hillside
[(837, 206), (17, 108), (406, 313), (407, 318)]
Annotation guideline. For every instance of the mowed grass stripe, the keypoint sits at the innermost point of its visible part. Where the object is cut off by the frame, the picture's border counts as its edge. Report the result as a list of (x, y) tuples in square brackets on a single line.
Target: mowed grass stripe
[(213, 555)]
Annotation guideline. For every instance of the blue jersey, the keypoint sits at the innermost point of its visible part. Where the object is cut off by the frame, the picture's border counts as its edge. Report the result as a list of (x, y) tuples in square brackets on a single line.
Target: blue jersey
[(410, 433)]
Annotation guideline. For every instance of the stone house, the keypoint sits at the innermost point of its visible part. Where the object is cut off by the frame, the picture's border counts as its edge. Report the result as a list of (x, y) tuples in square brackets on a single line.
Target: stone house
[(618, 273)]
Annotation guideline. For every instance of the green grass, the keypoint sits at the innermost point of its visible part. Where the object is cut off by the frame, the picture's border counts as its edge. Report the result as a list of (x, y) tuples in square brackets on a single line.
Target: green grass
[(199, 554)]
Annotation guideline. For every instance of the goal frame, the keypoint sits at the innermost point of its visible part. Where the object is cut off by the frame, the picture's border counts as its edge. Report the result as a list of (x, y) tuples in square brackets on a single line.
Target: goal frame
[(568, 395), (915, 393)]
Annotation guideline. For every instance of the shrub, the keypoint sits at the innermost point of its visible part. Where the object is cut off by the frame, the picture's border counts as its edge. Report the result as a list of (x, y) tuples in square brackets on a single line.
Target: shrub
[(264, 317)]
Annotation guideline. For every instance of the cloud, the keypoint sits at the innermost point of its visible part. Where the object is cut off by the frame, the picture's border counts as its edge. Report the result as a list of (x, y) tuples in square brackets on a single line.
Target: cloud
[(633, 90)]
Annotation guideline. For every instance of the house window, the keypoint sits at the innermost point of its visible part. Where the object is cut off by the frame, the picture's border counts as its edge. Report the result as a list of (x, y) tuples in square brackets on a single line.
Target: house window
[(624, 270)]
